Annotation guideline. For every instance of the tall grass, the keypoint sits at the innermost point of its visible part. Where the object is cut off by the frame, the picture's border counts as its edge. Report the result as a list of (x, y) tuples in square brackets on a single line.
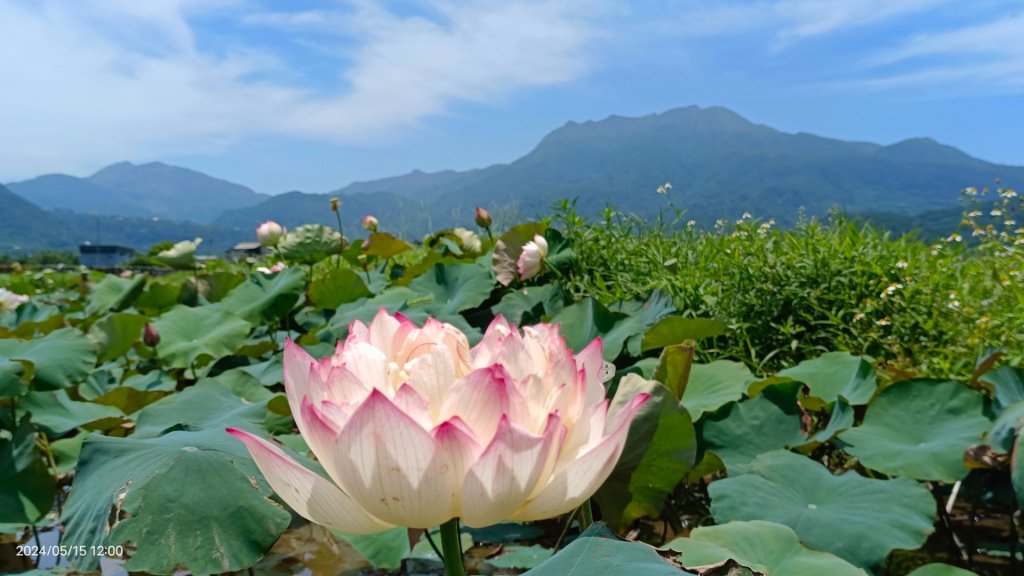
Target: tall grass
[(822, 285)]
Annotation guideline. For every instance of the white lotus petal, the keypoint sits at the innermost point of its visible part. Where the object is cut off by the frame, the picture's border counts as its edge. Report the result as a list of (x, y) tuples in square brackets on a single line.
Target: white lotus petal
[(309, 494)]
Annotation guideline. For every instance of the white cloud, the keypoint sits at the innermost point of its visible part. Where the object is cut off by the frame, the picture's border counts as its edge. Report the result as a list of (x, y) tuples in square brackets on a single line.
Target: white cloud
[(94, 81), (790, 20)]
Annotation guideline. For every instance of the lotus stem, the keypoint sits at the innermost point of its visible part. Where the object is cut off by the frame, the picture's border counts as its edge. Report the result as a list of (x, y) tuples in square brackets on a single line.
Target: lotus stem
[(452, 548), (586, 516)]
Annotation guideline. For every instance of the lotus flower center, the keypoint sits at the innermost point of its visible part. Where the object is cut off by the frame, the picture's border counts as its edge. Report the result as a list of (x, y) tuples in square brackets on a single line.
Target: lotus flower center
[(397, 374)]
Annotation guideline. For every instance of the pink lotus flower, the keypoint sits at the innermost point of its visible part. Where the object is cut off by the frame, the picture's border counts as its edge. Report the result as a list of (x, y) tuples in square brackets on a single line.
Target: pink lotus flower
[(370, 223), (9, 301), (531, 259), (270, 233), (415, 428)]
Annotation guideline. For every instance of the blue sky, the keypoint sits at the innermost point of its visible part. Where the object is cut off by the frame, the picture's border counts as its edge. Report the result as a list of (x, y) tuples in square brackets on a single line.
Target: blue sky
[(310, 95)]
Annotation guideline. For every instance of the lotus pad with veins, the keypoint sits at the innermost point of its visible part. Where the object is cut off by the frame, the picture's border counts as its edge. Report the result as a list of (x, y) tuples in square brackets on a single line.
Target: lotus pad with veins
[(415, 428)]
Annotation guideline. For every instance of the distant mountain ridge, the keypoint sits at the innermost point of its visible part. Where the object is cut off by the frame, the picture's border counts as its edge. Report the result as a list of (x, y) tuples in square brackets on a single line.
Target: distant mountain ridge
[(720, 165), (145, 190)]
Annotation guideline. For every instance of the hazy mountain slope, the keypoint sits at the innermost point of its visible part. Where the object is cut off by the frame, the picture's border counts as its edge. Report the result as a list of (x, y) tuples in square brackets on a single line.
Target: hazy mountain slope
[(416, 185), (25, 226), (721, 165), (145, 190)]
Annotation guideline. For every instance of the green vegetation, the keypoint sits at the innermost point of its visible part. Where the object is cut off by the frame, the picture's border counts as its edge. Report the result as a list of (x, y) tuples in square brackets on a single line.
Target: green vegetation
[(789, 295), (820, 396)]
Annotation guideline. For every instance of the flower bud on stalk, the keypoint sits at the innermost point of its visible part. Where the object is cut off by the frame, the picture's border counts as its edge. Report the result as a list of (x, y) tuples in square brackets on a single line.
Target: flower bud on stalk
[(150, 336), (270, 233), (370, 223)]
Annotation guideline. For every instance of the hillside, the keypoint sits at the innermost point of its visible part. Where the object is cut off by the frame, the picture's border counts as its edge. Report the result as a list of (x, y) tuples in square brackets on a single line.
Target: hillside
[(719, 163), (146, 190)]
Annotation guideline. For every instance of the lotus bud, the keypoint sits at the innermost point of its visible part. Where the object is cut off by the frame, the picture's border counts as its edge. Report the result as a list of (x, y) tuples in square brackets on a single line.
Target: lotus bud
[(270, 233), (150, 336), (531, 259), (483, 218), (370, 223), (335, 204)]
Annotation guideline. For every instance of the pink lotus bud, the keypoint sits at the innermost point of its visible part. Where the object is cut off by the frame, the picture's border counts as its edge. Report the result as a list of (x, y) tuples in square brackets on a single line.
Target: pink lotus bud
[(150, 336), (516, 427), (531, 259), (270, 233), (370, 223), (483, 218)]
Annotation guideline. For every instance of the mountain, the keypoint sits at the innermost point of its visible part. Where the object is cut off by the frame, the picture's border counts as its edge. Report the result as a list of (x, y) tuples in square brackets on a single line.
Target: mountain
[(146, 190), (719, 163), (25, 226)]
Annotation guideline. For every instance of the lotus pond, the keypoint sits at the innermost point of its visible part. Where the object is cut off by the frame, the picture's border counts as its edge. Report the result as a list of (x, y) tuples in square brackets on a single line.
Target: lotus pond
[(843, 453)]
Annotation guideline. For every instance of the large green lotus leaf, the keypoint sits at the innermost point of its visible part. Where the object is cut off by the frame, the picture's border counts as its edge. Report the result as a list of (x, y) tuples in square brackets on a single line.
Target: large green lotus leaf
[(29, 319), (455, 287), (114, 293), (385, 550), (14, 376), (919, 429), (599, 551), (531, 304), (769, 548), (1008, 385), (647, 312), (384, 245), (268, 373), (161, 294), (660, 449), (339, 286), (114, 334), (740, 432), (184, 501), (393, 299), (1006, 427), (56, 413), (192, 335), (62, 358), (836, 374), (940, 570), (265, 299), (26, 487), (853, 517), (588, 319), (675, 329), (208, 405), (129, 400), (714, 385), (310, 243)]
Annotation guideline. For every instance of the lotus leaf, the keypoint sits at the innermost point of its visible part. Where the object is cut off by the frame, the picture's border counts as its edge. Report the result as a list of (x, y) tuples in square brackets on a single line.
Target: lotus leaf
[(856, 518), (191, 336), (919, 429), (310, 243), (339, 286), (660, 449), (599, 551), (714, 385), (742, 431), (264, 299), (128, 491), (588, 319), (769, 548), (114, 293), (675, 329), (62, 358), (26, 488), (836, 374)]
